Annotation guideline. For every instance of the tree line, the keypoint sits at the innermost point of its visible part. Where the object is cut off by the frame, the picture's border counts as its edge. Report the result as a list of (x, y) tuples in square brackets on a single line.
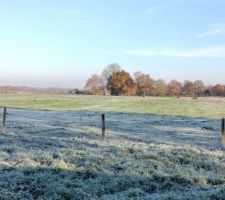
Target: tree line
[(116, 81)]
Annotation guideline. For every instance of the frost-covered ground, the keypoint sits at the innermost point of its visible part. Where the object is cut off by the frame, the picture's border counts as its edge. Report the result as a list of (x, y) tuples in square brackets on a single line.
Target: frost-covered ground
[(60, 155)]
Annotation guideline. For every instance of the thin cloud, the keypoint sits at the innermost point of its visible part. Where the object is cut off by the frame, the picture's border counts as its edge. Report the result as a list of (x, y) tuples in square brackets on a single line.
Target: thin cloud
[(217, 29), (216, 52), (99, 49)]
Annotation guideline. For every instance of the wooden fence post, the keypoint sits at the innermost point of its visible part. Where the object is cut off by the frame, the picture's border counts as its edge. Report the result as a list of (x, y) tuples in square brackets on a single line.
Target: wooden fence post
[(4, 120), (223, 126), (103, 126)]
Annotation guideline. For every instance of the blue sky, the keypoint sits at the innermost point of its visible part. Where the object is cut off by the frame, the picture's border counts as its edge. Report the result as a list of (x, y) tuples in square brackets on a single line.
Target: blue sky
[(61, 43)]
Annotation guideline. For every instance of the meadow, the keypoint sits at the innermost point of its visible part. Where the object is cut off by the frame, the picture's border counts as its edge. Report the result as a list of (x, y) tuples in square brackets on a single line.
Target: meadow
[(203, 107), (155, 148)]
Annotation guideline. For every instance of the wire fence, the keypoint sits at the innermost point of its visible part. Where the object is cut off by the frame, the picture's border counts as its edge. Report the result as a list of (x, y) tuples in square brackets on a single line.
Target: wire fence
[(143, 128)]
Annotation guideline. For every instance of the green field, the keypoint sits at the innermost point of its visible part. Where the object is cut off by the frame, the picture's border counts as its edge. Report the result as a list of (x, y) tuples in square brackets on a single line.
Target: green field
[(213, 108)]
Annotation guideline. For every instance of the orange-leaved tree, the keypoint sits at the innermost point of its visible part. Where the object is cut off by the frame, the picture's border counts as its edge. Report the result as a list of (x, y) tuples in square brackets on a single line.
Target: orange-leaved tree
[(174, 88), (121, 83)]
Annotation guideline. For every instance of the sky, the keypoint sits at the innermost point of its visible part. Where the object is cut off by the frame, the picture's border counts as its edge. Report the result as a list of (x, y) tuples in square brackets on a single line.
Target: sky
[(61, 43)]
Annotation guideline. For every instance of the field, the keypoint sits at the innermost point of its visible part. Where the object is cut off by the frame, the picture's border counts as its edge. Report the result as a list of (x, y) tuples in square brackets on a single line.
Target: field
[(155, 148), (203, 107)]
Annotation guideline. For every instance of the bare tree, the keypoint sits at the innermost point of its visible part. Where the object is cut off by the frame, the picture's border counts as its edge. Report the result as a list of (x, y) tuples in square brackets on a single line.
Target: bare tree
[(199, 87), (108, 71), (144, 84), (95, 85)]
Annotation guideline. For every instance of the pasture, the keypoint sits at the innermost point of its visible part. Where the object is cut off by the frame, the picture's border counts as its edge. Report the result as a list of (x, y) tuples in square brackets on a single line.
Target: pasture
[(203, 107), (155, 148)]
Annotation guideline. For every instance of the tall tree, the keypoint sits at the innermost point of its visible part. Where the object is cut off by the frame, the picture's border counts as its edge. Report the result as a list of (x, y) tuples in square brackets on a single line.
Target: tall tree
[(121, 83), (144, 84), (108, 72), (199, 87), (188, 88), (218, 90), (95, 85), (161, 88), (174, 88)]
